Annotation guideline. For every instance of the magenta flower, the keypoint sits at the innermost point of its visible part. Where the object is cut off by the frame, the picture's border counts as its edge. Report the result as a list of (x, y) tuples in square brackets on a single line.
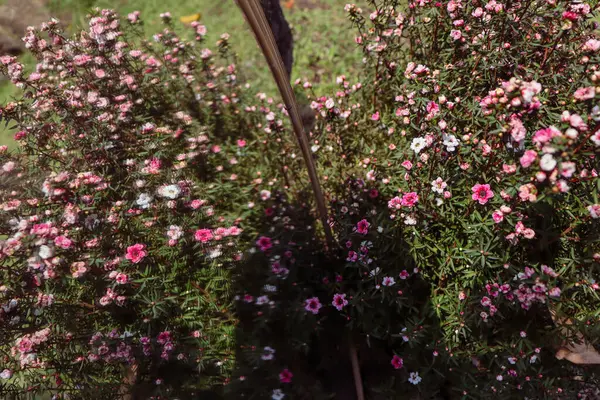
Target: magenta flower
[(498, 216), (363, 227), (264, 243), (203, 235), (482, 193), (410, 199), (312, 305), (339, 301), (136, 253), (285, 376), (397, 362)]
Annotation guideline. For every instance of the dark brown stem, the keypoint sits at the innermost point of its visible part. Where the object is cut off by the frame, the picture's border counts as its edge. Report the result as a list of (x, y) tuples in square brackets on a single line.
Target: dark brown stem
[(360, 394), (255, 16)]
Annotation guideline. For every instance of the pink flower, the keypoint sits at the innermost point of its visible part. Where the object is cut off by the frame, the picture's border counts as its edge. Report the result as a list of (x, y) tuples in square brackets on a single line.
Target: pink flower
[(133, 17), (585, 93), (363, 227), (432, 108), (395, 203), (404, 275), (203, 235), (528, 192), (498, 216), (285, 376), (455, 34), (570, 15), (339, 301), (63, 242), (482, 193), (388, 281), (591, 45), (397, 362), (312, 305), (594, 210), (375, 117), (264, 243), (136, 253), (509, 168), (545, 135), (121, 278), (407, 164), (410, 199), (554, 292), (241, 143), (517, 130), (163, 337)]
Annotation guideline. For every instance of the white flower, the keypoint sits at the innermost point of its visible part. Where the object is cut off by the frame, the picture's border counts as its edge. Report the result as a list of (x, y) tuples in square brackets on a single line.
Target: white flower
[(269, 354), (388, 281), (215, 253), (410, 220), (277, 394), (315, 148), (374, 271), (270, 288), (512, 360), (45, 252), (594, 210), (533, 359), (596, 138), (595, 114), (499, 378), (451, 142), (12, 304), (547, 163), (414, 378), (329, 104), (144, 200), (438, 185), (418, 144), (262, 300), (265, 195), (371, 175), (169, 191), (6, 374), (174, 232)]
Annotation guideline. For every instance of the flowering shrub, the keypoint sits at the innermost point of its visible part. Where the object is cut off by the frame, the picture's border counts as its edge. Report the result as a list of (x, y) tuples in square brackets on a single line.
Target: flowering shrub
[(469, 236), (462, 181), (117, 211)]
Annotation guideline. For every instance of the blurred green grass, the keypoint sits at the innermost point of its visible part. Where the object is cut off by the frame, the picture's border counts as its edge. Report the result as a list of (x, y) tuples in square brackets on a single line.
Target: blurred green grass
[(323, 49)]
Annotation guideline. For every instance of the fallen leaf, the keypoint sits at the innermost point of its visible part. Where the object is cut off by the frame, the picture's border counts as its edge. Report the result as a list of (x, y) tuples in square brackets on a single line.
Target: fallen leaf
[(289, 4), (188, 19), (577, 353)]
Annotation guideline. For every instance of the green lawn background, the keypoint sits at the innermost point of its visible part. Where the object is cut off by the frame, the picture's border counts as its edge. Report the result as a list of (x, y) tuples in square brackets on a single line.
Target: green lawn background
[(324, 47)]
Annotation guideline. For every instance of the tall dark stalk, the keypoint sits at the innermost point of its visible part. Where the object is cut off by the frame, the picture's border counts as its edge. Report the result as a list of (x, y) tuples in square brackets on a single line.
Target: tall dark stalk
[(255, 16)]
